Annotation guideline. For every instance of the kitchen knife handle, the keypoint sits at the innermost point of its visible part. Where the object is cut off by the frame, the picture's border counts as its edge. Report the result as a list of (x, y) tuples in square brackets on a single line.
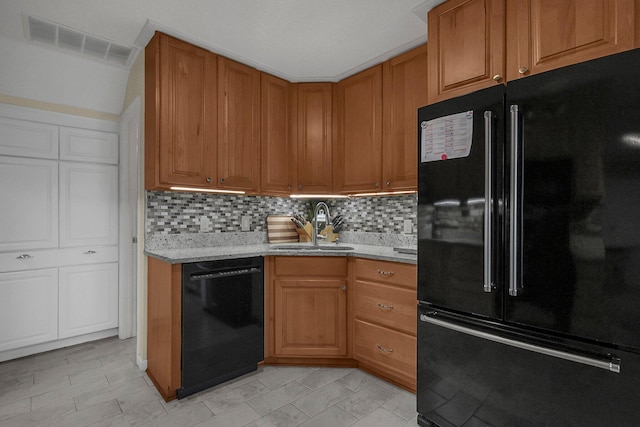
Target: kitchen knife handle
[(514, 229), (488, 198)]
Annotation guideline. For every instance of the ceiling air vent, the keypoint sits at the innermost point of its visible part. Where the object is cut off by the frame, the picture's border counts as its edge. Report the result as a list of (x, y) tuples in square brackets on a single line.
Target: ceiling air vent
[(38, 30)]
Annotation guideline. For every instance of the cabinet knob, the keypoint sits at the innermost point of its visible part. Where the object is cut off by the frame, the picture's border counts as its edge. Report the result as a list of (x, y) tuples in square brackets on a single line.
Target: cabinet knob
[(523, 70), (387, 307), (289, 187), (344, 287), (221, 180), (386, 273), (208, 179), (24, 256), (497, 77), (388, 182), (377, 184), (89, 252), (299, 186), (384, 349)]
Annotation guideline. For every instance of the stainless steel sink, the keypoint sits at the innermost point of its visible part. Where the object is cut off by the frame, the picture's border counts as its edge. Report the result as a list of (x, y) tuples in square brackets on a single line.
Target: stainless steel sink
[(327, 247)]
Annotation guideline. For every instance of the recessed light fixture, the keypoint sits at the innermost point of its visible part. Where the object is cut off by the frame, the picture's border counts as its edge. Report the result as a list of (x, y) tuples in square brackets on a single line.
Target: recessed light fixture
[(52, 34)]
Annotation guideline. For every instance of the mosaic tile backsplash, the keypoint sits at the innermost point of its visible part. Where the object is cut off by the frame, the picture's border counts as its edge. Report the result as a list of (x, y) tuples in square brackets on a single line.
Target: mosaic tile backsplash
[(181, 213)]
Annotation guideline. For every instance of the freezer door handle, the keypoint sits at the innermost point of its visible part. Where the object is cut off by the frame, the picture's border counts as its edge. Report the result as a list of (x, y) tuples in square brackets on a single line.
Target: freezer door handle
[(514, 197), (609, 362), (488, 198)]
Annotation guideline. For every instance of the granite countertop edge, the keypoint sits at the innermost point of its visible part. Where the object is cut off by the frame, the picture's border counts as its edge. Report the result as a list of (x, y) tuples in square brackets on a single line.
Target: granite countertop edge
[(181, 256)]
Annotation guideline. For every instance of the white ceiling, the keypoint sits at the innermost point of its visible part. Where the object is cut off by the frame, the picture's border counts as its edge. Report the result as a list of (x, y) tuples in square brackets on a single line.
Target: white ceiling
[(299, 40)]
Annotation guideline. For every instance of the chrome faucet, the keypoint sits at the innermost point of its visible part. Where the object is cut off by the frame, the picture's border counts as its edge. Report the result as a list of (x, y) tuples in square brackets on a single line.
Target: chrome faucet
[(327, 221)]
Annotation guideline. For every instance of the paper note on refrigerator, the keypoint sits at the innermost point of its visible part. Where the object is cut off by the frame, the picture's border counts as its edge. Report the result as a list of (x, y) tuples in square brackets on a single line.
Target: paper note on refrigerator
[(447, 137)]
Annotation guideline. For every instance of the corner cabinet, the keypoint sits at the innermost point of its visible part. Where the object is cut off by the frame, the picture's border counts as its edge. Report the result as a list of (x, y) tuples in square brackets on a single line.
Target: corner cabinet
[(544, 34), (306, 307), (312, 132), (238, 126), (180, 114), (466, 47)]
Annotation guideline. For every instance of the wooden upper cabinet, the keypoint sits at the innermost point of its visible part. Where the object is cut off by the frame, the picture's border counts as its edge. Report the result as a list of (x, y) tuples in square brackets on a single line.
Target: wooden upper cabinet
[(276, 158), (180, 114), (547, 34), (313, 140), (466, 47), (358, 131), (404, 91), (238, 126)]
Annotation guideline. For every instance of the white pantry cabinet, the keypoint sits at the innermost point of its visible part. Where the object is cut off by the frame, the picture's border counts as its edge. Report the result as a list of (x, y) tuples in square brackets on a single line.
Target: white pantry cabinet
[(88, 204), (29, 214), (58, 230), (28, 308), (88, 299)]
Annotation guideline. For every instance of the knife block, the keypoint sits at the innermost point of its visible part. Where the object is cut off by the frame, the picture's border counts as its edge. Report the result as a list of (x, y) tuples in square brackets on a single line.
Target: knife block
[(304, 234), (328, 232)]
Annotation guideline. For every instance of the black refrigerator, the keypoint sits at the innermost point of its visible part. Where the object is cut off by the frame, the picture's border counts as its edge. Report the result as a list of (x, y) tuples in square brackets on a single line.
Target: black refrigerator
[(529, 251)]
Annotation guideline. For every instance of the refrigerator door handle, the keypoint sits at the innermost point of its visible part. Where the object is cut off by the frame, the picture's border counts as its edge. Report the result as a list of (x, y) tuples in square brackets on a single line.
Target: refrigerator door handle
[(514, 231), (610, 363), (488, 199)]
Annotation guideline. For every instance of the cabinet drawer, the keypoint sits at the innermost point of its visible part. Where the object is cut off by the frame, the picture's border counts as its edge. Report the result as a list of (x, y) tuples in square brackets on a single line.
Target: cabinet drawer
[(51, 258), (392, 351), (387, 272), (385, 305), (310, 266), (88, 145), (28, 139)]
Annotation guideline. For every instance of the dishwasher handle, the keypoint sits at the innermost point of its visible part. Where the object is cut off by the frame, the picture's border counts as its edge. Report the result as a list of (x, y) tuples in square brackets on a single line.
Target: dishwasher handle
[(226, 273)]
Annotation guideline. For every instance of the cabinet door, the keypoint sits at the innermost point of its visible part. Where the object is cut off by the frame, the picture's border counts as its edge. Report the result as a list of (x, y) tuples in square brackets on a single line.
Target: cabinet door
[(466, 47), (275, 136), (358, 144), (88, 204), (548, 34), (313, 144), (180, 114), (310, 317), (238, 126), (29, 214), (404, 91), (28, 308), (28, 139), (88, 299), (88, 145)]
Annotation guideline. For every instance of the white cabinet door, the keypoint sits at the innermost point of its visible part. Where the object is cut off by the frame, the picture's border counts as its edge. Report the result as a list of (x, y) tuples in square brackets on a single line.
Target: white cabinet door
[(88, 299), (29, 213), (28, 139), (28, 308), (88, 145), (88, 204)]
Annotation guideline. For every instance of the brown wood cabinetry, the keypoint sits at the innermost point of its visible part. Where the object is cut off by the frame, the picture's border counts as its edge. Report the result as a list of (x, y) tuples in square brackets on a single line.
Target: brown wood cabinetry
[(276, 150), (386, 320), (306, 308), (180, 114), (466, 47), (404, 91), (312, 132), (164, 322), (238, 126), (358, 132), (547, 34)]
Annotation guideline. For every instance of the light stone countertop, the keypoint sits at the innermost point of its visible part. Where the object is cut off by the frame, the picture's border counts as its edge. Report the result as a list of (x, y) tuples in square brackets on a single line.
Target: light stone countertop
[(180, 256)]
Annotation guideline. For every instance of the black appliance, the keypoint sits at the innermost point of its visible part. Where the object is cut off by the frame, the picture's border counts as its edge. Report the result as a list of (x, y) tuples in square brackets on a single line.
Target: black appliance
[(222, 321), (529, 251)]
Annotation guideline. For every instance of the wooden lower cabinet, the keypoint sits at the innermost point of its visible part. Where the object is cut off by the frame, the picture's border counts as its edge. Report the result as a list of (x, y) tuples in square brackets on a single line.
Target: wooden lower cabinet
[(306, 313), (342, 311), (164, 322), (386, 320)]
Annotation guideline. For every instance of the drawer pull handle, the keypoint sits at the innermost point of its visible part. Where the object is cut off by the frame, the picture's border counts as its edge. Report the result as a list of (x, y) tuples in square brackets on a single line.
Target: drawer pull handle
[(24, 256), (386, 273), (383, 349), (385, 306), (90, 252)]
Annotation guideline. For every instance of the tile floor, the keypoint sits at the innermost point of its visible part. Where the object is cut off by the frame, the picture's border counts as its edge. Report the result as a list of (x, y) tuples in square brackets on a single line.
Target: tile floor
[(98, 384)]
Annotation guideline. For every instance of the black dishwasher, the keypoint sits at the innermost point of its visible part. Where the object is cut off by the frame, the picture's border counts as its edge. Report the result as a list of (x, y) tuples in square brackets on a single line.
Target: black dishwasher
[(222, 321)]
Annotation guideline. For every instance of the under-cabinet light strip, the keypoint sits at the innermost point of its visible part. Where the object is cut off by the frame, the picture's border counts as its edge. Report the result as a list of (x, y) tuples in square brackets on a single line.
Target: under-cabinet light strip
[(207, 190), (345, 196)]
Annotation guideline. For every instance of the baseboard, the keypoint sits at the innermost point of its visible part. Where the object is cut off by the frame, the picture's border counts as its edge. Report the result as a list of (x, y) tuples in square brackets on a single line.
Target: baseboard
[(142, 363)]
